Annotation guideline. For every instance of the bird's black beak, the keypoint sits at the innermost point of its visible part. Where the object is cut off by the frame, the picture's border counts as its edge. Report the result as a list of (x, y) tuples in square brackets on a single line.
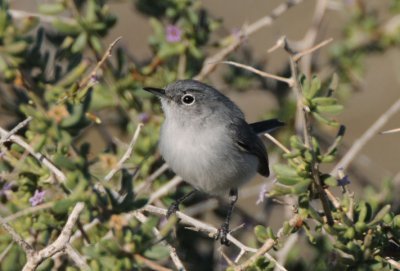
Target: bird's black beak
[(156, 91)]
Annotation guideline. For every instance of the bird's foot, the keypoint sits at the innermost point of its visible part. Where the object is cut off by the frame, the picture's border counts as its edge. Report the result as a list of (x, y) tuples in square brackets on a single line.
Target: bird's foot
[(173, 208), (222, 234)]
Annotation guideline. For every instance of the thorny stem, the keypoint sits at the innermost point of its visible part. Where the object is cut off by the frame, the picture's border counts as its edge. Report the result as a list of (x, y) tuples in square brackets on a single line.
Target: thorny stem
[(305, 126)]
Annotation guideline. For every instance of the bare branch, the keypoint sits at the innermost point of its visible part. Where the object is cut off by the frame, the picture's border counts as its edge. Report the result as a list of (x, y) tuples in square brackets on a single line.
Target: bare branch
[(40, 157), (304, 124), (277, 143), (20, 14), (35, 258), (15, 130), (28, 211), (151, 178), (28, 249), (299, 55), (152, 265), (78, 259), (126, 155), (288, 81), (165, 189), (172, 252), (391, 131), (211, 62), (198, 225), (5, 251), (93, 74), (393, 263)]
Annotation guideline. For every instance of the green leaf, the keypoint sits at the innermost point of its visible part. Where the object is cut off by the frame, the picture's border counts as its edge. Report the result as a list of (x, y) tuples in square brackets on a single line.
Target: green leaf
[(284, 170), (261, 233), (324, 101), (96, 44), (51, 8), (314, 87), (301, 187), (331, 109), (16, 48), (324, 120), (379, 216), (157, 252), (67, 27), (331, 181), (80, 43), (279, 190)]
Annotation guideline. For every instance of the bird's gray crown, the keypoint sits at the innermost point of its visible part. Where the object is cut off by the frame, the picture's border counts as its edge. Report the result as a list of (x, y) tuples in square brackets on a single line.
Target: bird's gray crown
[(199, 98)]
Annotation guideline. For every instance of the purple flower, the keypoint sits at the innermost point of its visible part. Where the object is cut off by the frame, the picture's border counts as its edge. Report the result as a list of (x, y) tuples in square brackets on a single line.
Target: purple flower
[(344, 181), (144, 117), (6, 187), (174, 33), (37, 198), (261, 195)]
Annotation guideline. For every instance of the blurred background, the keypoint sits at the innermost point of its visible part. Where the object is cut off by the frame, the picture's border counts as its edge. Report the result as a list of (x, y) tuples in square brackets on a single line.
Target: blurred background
[(364, 54)]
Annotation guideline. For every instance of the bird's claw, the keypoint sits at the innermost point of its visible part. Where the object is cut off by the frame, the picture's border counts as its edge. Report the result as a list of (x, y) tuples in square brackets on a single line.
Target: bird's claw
[(222, 234), (173, 208)]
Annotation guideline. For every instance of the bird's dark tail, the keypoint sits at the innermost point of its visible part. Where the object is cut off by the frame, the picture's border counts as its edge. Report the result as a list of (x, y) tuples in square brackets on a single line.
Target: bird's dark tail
[(266, 126)]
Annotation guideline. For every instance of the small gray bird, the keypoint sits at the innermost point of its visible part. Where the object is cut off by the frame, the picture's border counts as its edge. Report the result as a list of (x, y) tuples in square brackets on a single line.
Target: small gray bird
[(206, 141)]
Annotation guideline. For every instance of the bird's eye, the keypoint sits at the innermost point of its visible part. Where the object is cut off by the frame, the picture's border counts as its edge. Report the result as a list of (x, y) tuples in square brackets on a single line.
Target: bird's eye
[(187, 99)]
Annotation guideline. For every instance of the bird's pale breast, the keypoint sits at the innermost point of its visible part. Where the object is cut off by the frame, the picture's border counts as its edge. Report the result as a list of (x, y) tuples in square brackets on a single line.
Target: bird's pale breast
[(208, 159)]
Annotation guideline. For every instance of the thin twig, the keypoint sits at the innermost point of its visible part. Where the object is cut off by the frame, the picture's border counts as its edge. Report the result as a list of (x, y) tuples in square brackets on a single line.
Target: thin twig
[(28, 249), (277, 143), (35, 258), (282, 254), (15, 130), (366, 136), (199, 225), (151, 264), (78, 259), (147, 182), (211, 62), (86, 227), (20, 14), (6, 250), (391, 131), (40, 157), (260, 252), (126, 155), (93, 74), (308, 51), (288, 81), (312, 34), (165, 189), (172, 252), (28, 211), (306, 127), (393, 263)]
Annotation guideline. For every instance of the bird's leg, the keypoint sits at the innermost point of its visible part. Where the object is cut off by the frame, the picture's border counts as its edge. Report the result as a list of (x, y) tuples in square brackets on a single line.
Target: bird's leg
[(175, 205), (224, 229)]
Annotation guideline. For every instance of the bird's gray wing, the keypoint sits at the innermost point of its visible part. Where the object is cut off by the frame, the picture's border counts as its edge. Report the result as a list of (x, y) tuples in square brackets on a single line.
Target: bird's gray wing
[(266, 126), (248, 141)]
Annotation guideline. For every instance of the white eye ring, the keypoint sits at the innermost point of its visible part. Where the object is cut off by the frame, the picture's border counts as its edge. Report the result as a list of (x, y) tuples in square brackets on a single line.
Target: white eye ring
[(188, 99)]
